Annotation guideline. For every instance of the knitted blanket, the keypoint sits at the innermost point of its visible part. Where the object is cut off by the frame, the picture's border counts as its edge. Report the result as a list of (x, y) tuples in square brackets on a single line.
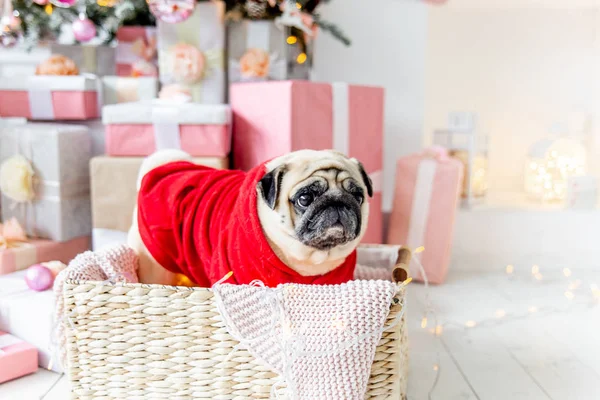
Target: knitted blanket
[(320, 339)]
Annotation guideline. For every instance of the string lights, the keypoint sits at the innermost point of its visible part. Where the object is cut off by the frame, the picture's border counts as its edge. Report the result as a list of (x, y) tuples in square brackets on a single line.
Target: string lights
[(501, 316)]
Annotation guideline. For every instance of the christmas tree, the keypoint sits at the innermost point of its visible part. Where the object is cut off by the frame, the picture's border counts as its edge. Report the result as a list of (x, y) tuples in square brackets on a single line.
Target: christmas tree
[(52, 20)]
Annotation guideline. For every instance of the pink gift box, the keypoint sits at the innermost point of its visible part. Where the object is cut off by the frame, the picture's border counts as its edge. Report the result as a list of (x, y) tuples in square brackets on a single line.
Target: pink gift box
[(274, 118), (17, 358), (139, 129), (48, 98), (135, 43), (425, 202), (36, 251)]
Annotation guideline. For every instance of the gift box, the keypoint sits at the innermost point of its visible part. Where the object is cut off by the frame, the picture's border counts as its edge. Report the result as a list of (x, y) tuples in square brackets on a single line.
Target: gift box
[(91, 59), (191, 53), (22, 255), (258, 51), (17, 358), (136, 45), (114, 195), (427, 194), (46, 97), (140, 129), (29, 315), (44, 178), (96, 133), (348, 118), (126, 90)]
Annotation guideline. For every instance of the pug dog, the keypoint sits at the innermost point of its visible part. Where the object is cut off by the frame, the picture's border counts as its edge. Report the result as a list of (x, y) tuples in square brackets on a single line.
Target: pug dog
[(312, 207)]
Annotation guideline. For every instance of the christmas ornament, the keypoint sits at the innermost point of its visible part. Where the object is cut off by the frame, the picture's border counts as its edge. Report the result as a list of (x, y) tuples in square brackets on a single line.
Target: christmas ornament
[(63, 3), (84, 29), (172, 11), (256, 9), (54, 266), (39, 278), (10, 26)]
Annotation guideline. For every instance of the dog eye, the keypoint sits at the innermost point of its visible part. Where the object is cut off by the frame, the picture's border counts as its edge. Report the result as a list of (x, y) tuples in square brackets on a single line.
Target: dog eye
[(304, 200)]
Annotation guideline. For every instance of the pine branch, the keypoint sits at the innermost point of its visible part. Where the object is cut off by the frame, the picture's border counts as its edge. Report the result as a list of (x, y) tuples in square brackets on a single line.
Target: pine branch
[(333, 29)]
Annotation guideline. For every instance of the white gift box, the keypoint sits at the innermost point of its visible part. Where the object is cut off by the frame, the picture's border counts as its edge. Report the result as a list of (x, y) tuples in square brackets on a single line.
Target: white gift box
[(117, 89), (59, 156), (29, 315), (178, 59)]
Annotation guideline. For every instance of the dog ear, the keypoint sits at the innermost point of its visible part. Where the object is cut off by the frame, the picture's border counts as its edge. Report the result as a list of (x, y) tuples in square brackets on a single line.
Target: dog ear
[(270, 184), (367, 181)]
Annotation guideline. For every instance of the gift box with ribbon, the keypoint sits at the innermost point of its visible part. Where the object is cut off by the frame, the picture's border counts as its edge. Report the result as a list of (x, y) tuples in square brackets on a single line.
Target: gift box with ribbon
[(17, 358), (140, 129), (17, 252), (117, 89), (91, 59), (44, 179), (259, 51), (347, 118), (45, 97), (136, 51), (191, 53), (426, 198), (30, 316), (114, 195)]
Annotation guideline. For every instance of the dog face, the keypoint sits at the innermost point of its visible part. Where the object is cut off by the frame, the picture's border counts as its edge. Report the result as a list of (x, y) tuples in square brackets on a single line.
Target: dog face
[(313, 207)]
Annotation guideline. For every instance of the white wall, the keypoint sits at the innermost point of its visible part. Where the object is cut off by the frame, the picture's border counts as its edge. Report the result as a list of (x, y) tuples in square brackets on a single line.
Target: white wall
[(521, 67), (388, 49)]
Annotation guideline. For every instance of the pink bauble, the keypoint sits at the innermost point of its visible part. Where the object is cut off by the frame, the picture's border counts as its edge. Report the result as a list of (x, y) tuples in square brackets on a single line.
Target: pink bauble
[(63, 3), (39, 278), (84, 29), (172, 11)]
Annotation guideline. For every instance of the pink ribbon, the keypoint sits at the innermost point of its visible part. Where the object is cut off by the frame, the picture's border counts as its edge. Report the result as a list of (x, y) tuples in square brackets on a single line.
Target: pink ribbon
[(438, 153), (12, 234)]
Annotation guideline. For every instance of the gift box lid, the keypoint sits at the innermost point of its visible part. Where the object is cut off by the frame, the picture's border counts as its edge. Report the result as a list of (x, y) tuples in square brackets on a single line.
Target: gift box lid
[(85, 82), (163, 111)]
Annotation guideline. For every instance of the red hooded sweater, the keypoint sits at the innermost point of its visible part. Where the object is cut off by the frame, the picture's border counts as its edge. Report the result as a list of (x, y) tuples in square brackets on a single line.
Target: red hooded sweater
[(203, 223)]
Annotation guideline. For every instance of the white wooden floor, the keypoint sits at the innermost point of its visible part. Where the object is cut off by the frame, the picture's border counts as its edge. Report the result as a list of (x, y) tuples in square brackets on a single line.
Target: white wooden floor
[(532, 339)]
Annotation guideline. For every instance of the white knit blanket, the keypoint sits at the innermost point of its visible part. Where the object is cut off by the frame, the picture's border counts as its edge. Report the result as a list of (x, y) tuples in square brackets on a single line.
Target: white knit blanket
[(321, 340)]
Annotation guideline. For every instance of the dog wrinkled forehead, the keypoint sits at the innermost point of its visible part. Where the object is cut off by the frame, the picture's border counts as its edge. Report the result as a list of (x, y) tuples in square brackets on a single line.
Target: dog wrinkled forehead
[(310, 161)]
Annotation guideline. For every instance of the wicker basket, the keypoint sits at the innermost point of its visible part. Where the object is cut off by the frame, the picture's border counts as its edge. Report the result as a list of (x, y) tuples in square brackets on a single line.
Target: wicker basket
[(121, 337)]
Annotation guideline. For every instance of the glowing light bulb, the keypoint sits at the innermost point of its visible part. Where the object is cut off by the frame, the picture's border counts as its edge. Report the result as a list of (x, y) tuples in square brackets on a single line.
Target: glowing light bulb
[(510, 269), (470, 324), (569, 295), (500, 313), (532, 309), (436, 367), (424, 323), (439, 330), (535, 269), (301, 59), (419, 249), (292, 40)]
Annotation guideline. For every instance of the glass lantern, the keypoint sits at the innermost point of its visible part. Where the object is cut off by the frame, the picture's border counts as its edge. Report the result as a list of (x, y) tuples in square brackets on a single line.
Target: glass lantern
[(471, 149), (549, 166)]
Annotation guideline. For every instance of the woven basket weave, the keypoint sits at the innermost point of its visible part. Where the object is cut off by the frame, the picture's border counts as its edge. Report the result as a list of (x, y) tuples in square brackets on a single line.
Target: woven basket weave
[(139, 341)]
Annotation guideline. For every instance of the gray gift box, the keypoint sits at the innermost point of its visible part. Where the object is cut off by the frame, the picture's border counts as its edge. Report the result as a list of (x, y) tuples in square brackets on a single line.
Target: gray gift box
[(59, 154), (98, 60), (267, 38)]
